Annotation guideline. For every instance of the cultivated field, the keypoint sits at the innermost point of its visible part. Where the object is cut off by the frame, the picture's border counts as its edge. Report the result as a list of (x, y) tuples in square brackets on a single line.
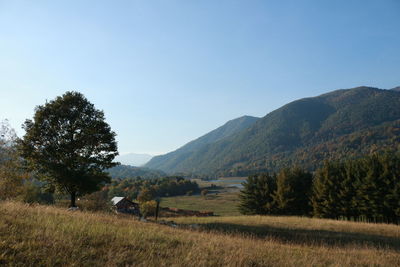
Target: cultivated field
[(41, 235)]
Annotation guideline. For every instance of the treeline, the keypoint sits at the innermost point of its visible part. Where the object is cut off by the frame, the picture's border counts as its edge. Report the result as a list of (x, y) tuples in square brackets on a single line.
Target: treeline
[(157, 187), (366, 189)]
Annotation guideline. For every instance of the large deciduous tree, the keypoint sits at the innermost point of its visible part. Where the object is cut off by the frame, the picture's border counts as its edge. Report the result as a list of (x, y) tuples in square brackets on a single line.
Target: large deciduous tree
[(69, 145)]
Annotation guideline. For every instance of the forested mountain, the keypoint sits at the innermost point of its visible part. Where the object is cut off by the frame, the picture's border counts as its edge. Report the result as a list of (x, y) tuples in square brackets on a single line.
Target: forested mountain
[(126, 171), (345, 123), (170, 162)]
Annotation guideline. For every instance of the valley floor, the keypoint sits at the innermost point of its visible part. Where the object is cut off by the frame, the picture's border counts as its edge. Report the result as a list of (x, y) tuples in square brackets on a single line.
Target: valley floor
[(222, 199), (223, 204), (43, 235)]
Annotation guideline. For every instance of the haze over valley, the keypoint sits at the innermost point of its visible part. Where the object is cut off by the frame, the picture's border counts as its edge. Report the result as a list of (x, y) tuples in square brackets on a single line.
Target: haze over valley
[(134, 159)]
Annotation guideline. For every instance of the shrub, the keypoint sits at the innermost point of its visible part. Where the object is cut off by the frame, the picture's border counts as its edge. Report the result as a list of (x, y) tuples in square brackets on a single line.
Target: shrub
[(33, 193), (148, 208), (204, 192)]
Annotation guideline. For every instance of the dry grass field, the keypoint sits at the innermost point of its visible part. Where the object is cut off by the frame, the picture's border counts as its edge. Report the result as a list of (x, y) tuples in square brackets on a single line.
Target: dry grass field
[(302, 230), (48, 236)]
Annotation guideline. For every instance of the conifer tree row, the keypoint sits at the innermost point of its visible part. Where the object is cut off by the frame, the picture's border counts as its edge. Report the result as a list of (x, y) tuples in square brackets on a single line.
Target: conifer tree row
[(365, 189), (284, 193)]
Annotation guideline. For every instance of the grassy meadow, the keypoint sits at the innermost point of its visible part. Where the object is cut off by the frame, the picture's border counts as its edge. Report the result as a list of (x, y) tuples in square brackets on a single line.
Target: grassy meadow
[(222, 199), (47, 236), (221, 181), (223, 204)]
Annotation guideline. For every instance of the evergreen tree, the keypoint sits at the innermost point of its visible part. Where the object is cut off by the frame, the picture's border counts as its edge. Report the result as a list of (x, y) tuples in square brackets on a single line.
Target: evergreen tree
[(347, 174), (371, 190), (292, 195), (366, 189), (391, 180), (326, 186), (256, 196)]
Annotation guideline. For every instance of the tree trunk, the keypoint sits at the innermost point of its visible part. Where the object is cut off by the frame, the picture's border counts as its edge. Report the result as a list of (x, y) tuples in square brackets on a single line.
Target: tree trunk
[(73, 198)]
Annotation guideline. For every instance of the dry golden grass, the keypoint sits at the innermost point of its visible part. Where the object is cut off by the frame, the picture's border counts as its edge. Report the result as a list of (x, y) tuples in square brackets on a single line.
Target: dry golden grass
[(300, 223), (48, 236)]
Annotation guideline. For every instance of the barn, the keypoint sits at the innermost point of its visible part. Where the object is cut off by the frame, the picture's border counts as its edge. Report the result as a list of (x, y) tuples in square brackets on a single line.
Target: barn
[(124, 205)]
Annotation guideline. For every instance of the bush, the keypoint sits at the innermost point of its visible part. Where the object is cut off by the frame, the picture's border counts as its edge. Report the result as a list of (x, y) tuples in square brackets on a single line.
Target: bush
[(97, 201), (204, 192), (33, 193), (148, 208)]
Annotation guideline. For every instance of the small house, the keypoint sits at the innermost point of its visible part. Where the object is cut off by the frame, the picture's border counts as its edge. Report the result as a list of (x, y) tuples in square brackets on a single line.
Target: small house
[(124, 205)]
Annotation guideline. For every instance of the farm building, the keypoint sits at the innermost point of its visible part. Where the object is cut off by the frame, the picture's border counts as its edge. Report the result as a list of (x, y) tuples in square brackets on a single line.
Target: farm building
[(124, 205)]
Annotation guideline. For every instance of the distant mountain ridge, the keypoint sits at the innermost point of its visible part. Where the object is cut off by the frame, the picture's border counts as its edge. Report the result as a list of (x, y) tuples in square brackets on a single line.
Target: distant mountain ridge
[(134, 159), (170, 160), (341, 124)]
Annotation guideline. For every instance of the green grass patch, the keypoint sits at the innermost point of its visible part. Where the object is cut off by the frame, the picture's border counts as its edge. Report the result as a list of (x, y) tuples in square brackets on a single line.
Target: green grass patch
[(223, 204)]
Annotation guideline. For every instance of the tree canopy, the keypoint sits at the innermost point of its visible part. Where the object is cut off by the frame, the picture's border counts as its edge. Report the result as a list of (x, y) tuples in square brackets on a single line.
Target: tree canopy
[(69, 145), (12, 174)]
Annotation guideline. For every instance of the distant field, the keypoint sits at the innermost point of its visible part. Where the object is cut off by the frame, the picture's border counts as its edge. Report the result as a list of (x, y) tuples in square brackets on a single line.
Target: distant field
[(222, 181), (48, 236), (223, 200), (224, 204)]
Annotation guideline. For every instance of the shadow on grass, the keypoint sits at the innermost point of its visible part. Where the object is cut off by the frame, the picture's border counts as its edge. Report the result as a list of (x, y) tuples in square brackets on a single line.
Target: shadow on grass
[(306, 236)]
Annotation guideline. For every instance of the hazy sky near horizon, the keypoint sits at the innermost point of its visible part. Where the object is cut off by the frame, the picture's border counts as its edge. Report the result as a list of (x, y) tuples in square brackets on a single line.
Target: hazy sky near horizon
[(167, 72)]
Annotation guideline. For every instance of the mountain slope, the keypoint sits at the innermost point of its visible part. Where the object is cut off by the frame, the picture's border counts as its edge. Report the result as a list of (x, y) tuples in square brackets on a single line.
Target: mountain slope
[(343, 123), (169, 161)]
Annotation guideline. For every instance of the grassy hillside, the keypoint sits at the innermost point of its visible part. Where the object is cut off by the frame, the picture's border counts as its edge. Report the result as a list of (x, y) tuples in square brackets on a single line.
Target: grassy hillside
[(47, 236), (302, 230), (341, 124)]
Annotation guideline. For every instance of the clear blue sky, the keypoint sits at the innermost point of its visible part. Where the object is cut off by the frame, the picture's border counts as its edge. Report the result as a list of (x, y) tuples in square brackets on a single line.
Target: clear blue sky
[(166, 72)]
